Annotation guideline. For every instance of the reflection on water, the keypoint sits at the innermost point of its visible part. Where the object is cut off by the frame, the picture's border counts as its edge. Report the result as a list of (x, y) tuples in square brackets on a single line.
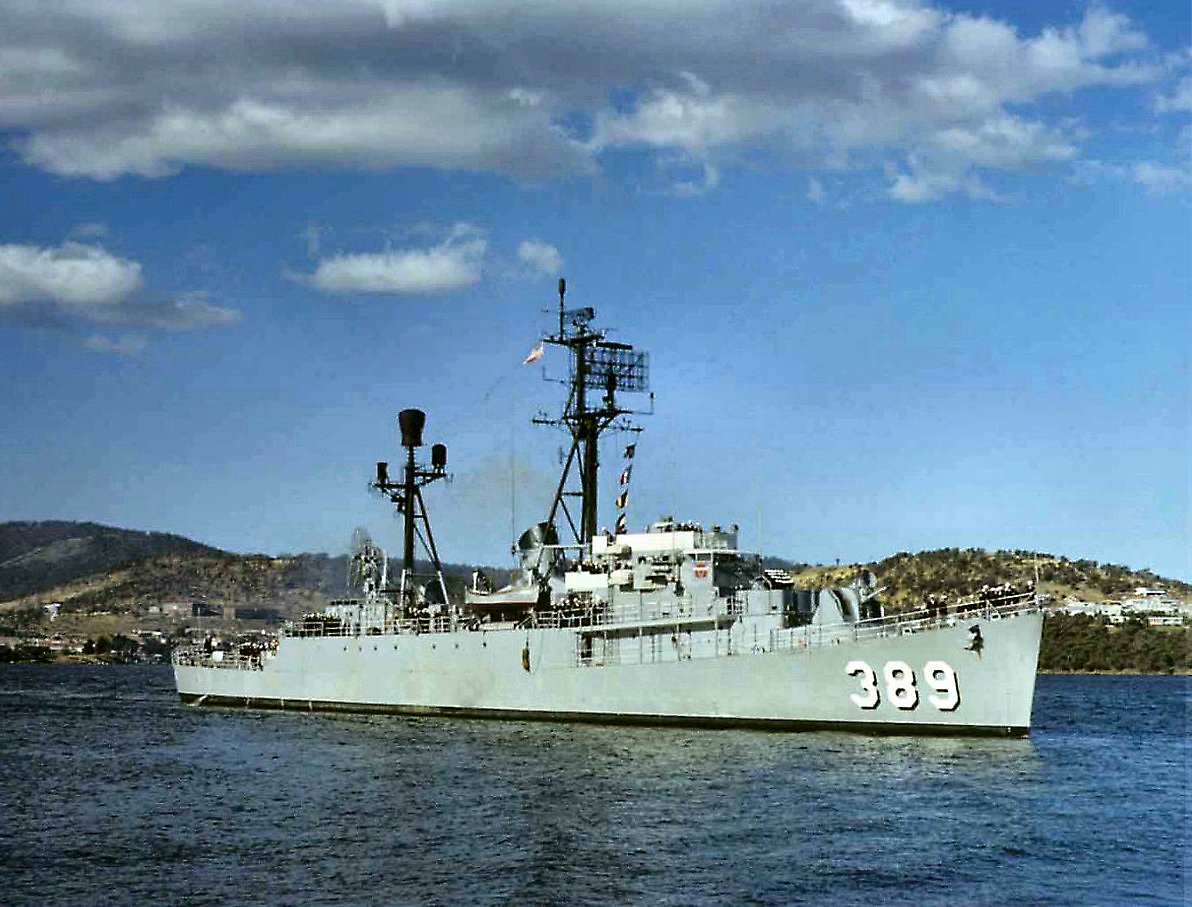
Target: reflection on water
[(120, 795)]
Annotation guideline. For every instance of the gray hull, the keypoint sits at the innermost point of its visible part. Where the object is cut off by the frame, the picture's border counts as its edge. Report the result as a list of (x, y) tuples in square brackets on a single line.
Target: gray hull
[(923, 682)]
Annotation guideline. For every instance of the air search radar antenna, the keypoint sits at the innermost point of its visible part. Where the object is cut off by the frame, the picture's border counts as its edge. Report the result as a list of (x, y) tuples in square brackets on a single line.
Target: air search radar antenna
[(600, 370), (406, 494)]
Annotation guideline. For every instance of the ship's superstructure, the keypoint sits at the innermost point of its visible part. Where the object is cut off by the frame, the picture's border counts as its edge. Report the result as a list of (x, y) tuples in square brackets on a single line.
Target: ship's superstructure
[(675, 624)]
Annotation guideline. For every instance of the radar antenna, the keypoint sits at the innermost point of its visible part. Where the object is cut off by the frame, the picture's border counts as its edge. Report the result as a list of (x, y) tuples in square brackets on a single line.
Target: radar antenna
[(598, 365)]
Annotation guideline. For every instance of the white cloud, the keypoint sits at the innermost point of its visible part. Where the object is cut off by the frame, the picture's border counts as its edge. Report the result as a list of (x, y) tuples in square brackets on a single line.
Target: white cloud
[(690, 119), (540, 256), (950, 160), (425, 126), (1156, 178), (898, 23), (1103, 33), (452, 265), (1003, 143), (533, 89), (1161, 179), (189, 312), (815, 190), (73, 275), (927, 182), (75, 284), (1180, 99), (706, 179), (923, 187)]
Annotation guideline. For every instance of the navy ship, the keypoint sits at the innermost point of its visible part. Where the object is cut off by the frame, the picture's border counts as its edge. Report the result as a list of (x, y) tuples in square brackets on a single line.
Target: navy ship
[(671, 625)]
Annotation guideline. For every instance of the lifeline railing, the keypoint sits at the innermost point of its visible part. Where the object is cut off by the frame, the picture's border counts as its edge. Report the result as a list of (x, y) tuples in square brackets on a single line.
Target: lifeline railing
[(604, 650), (591, 614), (195, 657), (905, 623)]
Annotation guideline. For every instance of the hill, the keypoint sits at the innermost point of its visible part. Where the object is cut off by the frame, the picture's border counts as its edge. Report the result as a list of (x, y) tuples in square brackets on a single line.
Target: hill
[(36, 556), (92, 568), (908, 578), (290, 585)]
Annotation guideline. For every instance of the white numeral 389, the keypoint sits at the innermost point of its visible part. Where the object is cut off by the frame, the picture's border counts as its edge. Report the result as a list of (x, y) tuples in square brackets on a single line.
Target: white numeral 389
[(901, 689)]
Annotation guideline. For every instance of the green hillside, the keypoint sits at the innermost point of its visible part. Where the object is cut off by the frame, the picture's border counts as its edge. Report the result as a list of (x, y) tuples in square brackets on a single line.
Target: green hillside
[(1080, 643)]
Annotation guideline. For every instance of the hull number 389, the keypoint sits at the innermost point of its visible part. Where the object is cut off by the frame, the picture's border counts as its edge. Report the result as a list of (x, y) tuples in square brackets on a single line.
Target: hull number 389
[(900, 686)]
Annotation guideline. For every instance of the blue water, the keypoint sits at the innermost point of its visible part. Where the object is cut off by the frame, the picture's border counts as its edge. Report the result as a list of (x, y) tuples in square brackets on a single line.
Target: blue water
[(112, 793)]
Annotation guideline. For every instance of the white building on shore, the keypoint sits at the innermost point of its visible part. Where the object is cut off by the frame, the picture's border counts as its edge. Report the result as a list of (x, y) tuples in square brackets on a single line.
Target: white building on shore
[(1158, 607)]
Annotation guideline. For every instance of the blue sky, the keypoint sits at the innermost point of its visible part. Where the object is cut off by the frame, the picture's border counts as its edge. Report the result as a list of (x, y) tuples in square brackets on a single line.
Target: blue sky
[(911, 275)]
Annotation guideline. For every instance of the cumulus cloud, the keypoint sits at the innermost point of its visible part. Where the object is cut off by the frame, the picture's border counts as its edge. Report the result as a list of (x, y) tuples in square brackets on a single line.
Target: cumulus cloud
[(534, 89), (540, 256), (691, 118), (425, 126), (186, 313), (72, 275), (948, 160), (706, 178), (1179, 100), (1104, 33), (76, 284), (1156, 178), (925, 184), (1161, 179), (453, 264)]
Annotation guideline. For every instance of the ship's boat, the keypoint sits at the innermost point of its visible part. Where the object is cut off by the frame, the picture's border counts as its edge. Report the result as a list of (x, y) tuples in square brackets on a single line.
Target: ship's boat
[(671, 625)]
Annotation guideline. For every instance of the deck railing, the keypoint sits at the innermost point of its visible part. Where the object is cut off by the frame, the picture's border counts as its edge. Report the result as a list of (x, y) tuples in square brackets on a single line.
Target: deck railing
[(905, 623), (198, 657), (681, 611), (602, 650)]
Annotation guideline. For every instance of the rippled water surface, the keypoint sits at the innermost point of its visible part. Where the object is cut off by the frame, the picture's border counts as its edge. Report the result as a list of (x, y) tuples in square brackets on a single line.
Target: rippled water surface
[(113, 793)]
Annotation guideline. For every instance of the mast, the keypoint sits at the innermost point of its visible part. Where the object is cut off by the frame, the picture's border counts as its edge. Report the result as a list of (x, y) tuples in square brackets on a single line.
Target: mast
[(596, 365), (407, 496)]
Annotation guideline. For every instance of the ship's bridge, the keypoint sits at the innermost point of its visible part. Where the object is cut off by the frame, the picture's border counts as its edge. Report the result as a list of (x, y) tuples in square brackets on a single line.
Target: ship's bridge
[(668, 536), (668, 555)]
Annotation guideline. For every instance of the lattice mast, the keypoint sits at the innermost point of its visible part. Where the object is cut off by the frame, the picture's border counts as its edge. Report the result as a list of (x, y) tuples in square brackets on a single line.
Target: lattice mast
[(600, 369), (407, 496)]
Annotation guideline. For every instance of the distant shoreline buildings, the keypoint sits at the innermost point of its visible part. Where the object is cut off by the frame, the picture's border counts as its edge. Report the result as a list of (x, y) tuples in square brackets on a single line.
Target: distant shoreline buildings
[(1156, 605)]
